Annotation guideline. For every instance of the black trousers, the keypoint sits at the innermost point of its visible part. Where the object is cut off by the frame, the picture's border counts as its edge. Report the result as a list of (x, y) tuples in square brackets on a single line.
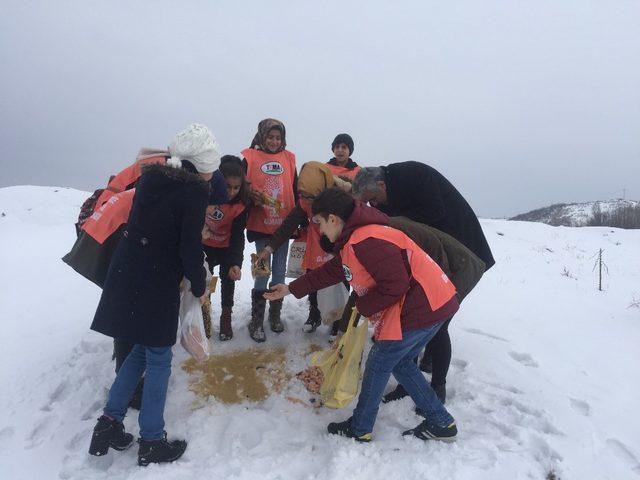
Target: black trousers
[(215, 257), (439, 351)]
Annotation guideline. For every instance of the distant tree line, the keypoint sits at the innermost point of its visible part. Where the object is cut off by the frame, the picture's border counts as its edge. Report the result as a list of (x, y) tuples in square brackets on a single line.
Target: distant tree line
[(623, 216)]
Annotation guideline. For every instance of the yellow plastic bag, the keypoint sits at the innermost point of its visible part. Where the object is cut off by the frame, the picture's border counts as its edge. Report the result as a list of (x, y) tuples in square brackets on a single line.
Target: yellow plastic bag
[(341, 365)]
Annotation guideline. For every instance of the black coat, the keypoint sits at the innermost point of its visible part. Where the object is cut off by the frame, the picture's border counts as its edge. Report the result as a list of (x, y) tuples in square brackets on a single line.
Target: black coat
[(421, 193), (162, 242)]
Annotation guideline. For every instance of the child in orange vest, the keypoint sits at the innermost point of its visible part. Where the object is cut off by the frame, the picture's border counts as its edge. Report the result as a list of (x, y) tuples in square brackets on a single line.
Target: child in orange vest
[(314, 178), (271, 172), (223, 237), (401, 290)]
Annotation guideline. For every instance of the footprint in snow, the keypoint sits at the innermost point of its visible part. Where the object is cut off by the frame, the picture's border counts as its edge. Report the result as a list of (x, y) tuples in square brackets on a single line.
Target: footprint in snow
[(39, 433), (93, 411), (625, 454), (524, 359), (506, 388), (59, 393), (580, 406), (475, 331), (6, 434), (460, 364)]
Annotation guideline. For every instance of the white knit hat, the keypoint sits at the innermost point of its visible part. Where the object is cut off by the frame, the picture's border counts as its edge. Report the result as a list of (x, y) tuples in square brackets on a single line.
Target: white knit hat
[(197, 145)]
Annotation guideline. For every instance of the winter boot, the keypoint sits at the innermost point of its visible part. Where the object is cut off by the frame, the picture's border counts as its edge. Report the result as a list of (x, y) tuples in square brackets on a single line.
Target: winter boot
[(258, 304), (275, 310), (314, 320), (160, 451), (429, 431), (226, 332), (136, 400), (109, 433), (344, 430), (394, 395)]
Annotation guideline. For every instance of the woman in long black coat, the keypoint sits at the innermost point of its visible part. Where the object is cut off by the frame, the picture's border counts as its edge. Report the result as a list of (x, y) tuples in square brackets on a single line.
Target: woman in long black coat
[(161, 243), (141, 296)]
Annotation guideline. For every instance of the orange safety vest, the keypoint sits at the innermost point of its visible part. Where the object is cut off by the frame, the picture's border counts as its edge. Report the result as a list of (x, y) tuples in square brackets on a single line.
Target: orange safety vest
[(125, 178), (108, 218), (314, 255), (220, 223), (435, 284), (343, 171), (272, 174)]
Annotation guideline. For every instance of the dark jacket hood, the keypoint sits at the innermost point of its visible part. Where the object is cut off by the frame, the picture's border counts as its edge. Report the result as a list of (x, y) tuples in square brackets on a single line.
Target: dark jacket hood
[(158, 179), (350, 163), (362, 215), (173, 174)]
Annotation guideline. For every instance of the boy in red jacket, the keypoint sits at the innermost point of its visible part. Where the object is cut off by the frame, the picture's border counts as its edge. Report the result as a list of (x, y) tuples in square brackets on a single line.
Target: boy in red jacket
[(404, 294)]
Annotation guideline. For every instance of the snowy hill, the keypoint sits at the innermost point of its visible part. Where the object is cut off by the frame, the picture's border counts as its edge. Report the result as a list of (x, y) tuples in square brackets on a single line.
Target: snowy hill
[(543, 377), (573, 214)]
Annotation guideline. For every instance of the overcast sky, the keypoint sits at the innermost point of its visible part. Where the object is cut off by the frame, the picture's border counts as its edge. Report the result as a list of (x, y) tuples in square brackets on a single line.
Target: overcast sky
[(519, 103)]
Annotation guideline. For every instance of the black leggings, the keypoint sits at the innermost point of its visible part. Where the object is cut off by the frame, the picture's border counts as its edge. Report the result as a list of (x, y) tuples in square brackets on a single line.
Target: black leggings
[(439, 351), (217, 256), (313, 299)]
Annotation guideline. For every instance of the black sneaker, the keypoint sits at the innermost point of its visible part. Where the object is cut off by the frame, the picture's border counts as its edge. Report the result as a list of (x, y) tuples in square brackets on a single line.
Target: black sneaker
[(428, 431), (160, 451), (109, 433), (344, 429), (394, 395)]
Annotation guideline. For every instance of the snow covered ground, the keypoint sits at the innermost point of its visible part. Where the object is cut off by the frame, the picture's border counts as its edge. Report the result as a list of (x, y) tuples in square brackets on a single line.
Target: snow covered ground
[(544, 375)]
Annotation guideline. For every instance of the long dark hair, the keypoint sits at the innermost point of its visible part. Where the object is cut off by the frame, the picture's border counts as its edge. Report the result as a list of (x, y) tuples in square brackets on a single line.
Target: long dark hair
[(231, 166)]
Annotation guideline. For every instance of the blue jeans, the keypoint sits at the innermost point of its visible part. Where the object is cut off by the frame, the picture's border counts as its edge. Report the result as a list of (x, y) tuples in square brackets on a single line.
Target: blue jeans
[(397, 357), (155, 363), (278, 264)]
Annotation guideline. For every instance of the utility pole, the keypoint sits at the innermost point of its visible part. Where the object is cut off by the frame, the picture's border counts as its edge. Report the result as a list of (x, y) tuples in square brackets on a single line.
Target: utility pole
[(599, 264)]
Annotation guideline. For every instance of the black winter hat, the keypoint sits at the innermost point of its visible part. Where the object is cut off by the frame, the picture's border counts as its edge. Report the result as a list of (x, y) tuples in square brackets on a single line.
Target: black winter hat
[(343, 138)]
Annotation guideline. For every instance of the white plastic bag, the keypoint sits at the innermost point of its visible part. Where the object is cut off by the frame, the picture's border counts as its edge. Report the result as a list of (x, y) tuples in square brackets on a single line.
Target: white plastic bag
[(294, 262), (192, 336), (331, 302)]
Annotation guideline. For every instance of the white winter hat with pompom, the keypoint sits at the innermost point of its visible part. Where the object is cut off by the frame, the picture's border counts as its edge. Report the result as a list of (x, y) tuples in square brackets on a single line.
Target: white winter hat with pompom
[(197, 145)]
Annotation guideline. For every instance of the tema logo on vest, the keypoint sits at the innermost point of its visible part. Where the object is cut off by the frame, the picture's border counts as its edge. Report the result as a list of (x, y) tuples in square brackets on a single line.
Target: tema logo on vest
[(347, 273), (272, 168), (217, 215)]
